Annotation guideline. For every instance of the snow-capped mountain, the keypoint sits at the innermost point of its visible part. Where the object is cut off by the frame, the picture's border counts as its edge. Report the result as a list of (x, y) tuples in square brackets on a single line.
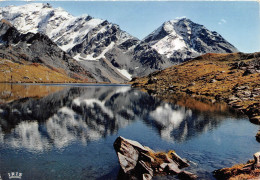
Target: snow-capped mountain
[(37, 48), (109, 53), (57, 24), (181, 39), (113, 54)]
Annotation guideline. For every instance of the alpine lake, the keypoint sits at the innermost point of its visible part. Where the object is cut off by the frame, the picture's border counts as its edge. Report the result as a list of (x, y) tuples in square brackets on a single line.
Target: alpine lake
[(67, 131)]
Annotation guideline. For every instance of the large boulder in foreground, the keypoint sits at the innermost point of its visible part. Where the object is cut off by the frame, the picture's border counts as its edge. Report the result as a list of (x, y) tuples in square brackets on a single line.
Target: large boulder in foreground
[(141, 162)]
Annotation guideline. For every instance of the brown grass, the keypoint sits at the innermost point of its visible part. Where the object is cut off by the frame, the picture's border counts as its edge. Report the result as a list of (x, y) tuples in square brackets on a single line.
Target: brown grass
[(160, 157), (208, 76), (30, 73), (236, 172)]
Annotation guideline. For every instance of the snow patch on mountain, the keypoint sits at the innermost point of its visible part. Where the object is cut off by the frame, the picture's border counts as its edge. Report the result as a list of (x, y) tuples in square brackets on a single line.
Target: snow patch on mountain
[(75, 32), (108, 52), (182, 39), (36, 17), (63, 28), (90, 57), (169, 44), (125, 73)]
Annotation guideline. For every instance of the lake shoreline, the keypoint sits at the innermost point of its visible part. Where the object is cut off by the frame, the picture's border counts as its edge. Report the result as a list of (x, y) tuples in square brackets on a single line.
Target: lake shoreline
[(173, 96), (170, 96), (92, 116), (65, 83), (215, 78)]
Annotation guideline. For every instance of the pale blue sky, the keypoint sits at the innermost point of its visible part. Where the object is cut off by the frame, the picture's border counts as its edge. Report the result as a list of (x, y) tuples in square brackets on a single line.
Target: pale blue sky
[(238, 22)]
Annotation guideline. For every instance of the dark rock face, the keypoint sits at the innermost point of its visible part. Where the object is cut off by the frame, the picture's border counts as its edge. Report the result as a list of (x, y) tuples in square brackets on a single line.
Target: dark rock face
[(258, 136), (150, 58), (140, 162), (122, 51), (37, 48)]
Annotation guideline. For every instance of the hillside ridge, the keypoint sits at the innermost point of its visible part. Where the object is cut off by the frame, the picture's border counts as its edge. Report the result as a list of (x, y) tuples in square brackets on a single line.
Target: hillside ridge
[(232, 78)]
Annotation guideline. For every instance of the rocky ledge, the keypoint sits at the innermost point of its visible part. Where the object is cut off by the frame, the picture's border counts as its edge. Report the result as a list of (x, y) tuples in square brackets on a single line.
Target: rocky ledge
[(141, 162), (250, 170)]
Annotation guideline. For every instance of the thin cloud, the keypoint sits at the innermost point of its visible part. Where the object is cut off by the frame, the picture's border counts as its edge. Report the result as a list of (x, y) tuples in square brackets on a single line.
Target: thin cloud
[(180, 17), (222, 21)]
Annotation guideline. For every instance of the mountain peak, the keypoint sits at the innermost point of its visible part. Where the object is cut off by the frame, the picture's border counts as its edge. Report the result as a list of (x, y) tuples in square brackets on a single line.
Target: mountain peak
[(182, 39), (107, 51), (178, 19)]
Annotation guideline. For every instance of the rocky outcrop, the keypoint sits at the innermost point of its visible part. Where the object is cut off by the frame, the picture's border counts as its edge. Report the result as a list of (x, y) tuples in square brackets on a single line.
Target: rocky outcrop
[(250, 67), (243, 92), (38, 48), (141, 162), (250, 170), (253, 111)]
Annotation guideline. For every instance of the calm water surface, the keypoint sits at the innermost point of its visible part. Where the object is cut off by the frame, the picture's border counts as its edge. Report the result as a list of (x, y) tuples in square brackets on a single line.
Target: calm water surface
[(67, 132)]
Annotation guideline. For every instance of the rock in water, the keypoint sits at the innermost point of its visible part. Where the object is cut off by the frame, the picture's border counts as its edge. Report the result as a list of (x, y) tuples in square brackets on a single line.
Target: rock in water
[(257, 160), (178, 160), (258, 136), (128, 153), (141, 162), (185, 175)]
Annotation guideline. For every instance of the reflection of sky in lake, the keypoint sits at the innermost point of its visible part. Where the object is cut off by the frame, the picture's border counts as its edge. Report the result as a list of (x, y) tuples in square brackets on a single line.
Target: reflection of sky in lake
[(74, 129)]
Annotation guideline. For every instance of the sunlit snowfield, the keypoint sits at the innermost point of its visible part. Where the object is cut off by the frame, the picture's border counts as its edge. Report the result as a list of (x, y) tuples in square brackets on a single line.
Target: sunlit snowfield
[(67, 132)]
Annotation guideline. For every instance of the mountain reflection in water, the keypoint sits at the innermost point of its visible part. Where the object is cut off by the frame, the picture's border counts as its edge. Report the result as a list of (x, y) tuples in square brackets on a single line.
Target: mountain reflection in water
[(84, 114)]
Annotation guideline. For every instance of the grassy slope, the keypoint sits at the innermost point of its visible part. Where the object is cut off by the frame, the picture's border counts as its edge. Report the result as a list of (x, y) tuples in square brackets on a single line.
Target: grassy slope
[(32, 72), (209, 77)]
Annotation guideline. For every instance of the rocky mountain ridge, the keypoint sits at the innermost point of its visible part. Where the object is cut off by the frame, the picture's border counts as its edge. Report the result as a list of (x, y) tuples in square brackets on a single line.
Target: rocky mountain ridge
[(37, 48), (102, 48), (181, 39), (109, 53)]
